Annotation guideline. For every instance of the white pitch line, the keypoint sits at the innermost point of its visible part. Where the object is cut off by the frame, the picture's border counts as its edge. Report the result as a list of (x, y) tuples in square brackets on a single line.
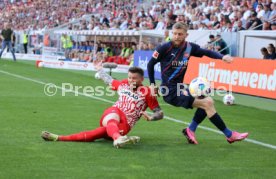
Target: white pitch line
[(112, 102), (162, 104)]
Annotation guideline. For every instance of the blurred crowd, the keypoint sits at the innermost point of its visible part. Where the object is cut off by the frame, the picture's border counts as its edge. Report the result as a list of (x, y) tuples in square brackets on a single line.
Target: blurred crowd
[(44, 14), (216, 43), (221, 15), (120, 53)]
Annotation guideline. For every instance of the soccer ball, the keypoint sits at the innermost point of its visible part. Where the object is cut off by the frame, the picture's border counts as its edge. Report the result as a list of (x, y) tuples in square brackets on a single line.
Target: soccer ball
[(228, 99), (200, 87), (97, 76), (40, 65)]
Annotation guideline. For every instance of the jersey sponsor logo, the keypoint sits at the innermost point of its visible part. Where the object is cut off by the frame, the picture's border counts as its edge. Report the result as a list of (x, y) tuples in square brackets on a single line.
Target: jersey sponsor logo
[(131, 103), (155, 54), (130, 94), (180, 63)]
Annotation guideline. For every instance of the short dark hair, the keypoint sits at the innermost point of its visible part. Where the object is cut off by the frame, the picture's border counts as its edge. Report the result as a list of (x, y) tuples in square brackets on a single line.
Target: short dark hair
[(211, 36), (254, 14), (138, 70), (271, 45), (264, 49)]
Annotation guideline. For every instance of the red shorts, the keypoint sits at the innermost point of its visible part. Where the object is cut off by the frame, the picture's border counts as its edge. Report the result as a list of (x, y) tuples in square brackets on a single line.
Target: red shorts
[(123, 125)]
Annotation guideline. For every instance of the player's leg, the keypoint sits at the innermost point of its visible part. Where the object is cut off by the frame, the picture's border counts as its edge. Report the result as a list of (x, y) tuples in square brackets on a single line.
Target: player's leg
[(125, 128), (111, 119), (208, 105), (116, 127), (112, 127), (4, 44), (12, 50), (85, 136), (113, 130), (199, 115), (182, 98), (189, 132)]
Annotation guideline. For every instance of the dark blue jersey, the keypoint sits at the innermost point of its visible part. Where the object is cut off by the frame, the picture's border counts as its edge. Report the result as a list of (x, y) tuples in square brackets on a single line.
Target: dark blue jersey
[(174, 61)]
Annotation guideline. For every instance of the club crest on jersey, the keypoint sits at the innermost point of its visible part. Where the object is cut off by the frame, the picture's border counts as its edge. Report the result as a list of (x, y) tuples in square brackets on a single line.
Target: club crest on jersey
[(155, 54), (186, 55)]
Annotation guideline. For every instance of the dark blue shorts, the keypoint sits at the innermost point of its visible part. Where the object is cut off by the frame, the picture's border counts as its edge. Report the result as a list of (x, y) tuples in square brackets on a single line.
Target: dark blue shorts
[(176, 97)]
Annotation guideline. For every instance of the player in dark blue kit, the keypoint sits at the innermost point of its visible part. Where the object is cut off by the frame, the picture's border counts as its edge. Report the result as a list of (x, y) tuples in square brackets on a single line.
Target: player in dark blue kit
[(173, 57)]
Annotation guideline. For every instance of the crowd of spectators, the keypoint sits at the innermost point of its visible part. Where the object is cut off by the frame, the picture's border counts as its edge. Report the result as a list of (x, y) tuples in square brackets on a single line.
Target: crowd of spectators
[(45, 14), (121, 53), (216, 43), (221, 15)]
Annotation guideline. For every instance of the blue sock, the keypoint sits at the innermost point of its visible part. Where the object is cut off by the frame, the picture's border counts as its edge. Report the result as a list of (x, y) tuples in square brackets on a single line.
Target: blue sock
[(199, 116), (227, 132), (193, 125)]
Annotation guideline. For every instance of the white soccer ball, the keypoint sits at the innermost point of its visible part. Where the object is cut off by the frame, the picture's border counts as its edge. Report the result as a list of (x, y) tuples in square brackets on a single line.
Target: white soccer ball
[(40, 64), (228, 99), (200, 87), (97, 76)]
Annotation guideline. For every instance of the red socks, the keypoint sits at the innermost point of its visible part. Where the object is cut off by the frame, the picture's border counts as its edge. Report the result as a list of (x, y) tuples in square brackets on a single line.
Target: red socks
[(86, 136), (112, 129)]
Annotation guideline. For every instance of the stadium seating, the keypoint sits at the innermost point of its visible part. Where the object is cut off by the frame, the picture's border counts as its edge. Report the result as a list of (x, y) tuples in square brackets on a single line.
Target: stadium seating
[(123, 15), (222, 16)]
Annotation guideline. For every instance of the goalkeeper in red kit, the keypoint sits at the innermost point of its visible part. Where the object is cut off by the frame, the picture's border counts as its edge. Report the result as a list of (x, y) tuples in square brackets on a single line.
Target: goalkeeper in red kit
[(118, 120)]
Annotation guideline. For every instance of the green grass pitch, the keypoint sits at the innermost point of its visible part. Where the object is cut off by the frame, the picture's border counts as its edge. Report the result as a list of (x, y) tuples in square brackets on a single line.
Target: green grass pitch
[(162, 152)]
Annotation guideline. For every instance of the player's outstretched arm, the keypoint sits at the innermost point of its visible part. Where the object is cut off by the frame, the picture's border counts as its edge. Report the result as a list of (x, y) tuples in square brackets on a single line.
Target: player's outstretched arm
[(200, 52), (157, 114), (150, 68), (106, 78)]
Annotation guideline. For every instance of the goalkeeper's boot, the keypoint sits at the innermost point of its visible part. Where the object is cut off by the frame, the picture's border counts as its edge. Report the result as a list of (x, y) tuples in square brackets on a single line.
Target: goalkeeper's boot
[(121, 141), (190, 135), (134, 139), (237, 137), (49, 136)]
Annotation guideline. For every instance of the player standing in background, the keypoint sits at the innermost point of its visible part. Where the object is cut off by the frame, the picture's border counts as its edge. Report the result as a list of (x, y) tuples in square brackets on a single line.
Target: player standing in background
[(7, 39), (173, 57), (118, 120)]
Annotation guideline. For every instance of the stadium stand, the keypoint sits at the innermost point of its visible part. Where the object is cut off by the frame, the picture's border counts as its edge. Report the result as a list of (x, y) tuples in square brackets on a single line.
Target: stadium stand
[(219, 15), (118, 14)]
